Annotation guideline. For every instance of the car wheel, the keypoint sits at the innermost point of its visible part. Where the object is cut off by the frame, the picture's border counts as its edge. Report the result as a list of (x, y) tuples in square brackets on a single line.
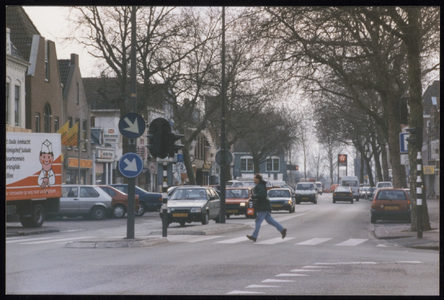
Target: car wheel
[(119, 211), (37, 218), (334, 201), (182, 223), (98, 213), (205, 218), (227, 216), (141, 211)]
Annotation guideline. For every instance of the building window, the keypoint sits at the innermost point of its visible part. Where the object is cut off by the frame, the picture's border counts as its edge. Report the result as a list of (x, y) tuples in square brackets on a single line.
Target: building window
[(47, 118), (17, 105), (247, 164), (84, 127), (273, 164), (70, 126), (7, 103), (56, 124), (46, 61), (78, 94), (93, 121), (37, 122)]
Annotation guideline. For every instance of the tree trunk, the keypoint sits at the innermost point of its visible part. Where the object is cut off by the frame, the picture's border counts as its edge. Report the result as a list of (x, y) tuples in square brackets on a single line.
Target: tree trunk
[(188, 164), (385, 173)]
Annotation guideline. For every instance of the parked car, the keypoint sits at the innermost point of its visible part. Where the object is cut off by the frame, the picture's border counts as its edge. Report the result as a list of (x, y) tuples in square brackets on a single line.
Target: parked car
[(88, 201), (362, 191), (384, 184), (193, 204), (390, 204), (236, 200), (148, 201), (343, 193), (319, 187), (120, 201), (369, 193), (282, 199), (306, 192)]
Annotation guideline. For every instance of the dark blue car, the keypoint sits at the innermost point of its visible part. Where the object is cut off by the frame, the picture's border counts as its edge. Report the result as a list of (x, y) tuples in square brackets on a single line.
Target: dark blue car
[(148, 201)]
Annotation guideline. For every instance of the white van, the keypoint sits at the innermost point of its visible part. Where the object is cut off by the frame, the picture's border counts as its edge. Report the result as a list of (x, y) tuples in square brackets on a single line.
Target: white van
[(353, 183)]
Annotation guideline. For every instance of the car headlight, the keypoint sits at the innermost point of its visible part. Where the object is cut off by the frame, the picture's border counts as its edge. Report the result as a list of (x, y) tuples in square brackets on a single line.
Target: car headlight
[(170, 210), (289, 201), (196, 210), (242, 204)]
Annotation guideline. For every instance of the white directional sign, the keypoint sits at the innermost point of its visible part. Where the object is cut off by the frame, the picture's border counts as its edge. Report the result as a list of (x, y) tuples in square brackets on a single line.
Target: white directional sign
[(130, 165), (132, 125)]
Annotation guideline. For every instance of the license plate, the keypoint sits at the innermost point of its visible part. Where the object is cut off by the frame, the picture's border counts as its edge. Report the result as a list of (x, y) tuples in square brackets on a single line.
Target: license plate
[(342, 194), (304, 198), (232, 211), (277, 205), (391, 208), (180, 215)]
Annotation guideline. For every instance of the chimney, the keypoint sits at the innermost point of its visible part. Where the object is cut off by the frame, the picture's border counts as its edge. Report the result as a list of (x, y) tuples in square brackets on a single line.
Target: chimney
[(74, 59)]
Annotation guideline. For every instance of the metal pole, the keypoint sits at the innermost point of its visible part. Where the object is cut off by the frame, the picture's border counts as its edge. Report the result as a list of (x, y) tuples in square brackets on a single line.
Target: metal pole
[(222, 135), (419, 194), (132, 142)]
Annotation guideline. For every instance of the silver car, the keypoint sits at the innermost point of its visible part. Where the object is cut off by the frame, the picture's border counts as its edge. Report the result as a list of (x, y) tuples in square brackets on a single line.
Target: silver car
[(84, 200)]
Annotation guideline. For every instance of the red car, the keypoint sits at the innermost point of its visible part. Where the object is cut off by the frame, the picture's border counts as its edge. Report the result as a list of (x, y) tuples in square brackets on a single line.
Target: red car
[(120, 201), (236, 200), (390, 204)]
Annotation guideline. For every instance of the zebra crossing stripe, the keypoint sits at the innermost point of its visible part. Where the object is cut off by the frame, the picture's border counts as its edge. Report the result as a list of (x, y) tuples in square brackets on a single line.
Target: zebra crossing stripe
[(276, 280), (253, 286), (302, 270), (242, 292), (290, 274), (314, 241), (274, 241), (233, 241), (352, 242)]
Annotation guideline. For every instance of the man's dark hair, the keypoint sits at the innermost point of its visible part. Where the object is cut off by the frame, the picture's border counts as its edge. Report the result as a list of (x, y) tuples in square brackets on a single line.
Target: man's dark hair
[(258, 176)]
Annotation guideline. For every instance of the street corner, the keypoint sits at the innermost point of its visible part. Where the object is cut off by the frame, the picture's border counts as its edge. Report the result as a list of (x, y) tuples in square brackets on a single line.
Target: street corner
[(391, 230), (118, 243)]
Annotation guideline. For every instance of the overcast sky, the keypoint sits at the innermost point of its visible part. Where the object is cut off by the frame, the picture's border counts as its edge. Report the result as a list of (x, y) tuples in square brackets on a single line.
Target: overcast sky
[(51, 22)]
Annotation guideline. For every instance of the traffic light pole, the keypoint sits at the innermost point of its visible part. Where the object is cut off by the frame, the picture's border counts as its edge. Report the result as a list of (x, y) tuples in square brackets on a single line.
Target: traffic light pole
[(222, 132), (419, 195)]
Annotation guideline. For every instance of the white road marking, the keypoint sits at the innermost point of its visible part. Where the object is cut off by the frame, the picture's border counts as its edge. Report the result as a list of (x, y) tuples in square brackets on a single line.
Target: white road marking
[(352, 242), (290, 274), (204, 238), (314, 241), (275, 241), (276, 280), (316, 267), (190, 238), (233, 241), (261, 286), (59, 240), (302, 270), (408, 262), (25, 240), (350, 263), (381, 245), (242, 292)]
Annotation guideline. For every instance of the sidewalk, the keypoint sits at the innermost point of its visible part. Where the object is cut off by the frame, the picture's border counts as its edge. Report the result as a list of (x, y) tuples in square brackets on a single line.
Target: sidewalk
[(400, 234)]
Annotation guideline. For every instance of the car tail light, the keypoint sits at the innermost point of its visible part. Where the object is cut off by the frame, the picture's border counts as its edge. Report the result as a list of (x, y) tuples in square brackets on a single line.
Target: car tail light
[(334, 194), (350, 194), (160, 199)]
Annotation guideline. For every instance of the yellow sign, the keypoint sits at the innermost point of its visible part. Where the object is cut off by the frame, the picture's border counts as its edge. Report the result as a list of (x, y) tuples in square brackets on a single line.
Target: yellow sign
[(84, 163), (429, 170)]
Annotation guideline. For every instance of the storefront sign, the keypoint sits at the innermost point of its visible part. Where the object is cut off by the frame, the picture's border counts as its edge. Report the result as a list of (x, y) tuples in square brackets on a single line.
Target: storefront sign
[(105, 154), (429, 170), (84, 163), (111, 135)]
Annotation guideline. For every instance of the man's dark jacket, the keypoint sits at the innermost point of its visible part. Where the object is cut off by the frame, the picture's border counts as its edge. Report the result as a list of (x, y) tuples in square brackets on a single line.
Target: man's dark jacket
[(262, 201)]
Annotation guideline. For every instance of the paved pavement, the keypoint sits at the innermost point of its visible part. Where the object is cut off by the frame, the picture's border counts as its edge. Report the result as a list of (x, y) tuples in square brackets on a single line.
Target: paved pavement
[(400, 234)]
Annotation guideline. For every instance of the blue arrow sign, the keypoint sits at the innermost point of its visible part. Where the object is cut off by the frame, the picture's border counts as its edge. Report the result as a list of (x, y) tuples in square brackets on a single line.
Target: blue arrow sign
[(130, 165), (132, 125), (403, 145)]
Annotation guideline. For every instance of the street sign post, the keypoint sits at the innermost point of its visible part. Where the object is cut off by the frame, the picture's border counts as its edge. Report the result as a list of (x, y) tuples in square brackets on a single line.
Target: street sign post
[(132, 125), (130, 165)]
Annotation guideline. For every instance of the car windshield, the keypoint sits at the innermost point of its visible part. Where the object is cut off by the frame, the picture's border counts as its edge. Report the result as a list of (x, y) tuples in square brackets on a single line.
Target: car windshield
[(318, 185), (189, 194), (350, 183), (366, 189), (305, 187), (342, 189), (384, 184), (237, 193), (391, 195), (278, 193)]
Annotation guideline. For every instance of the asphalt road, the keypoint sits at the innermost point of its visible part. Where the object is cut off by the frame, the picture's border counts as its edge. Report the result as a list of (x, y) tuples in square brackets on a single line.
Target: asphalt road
[(328, 250)]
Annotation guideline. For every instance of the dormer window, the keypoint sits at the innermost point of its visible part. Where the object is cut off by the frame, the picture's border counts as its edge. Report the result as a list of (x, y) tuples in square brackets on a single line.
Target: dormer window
[(46, 61)]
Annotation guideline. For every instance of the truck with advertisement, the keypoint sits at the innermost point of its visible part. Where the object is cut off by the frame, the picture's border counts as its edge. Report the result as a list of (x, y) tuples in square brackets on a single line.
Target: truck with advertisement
[(33, 176)]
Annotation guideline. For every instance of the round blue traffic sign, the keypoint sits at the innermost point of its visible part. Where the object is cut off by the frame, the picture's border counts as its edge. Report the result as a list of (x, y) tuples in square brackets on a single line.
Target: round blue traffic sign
[(132, 125), (130, 165)]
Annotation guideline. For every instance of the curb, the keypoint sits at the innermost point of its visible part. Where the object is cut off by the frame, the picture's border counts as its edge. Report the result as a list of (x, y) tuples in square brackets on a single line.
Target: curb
[(136, 243), (24, 233)]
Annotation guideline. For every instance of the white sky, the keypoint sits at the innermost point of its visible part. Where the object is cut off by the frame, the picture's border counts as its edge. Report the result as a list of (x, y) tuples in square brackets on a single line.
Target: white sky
[(51, 22)]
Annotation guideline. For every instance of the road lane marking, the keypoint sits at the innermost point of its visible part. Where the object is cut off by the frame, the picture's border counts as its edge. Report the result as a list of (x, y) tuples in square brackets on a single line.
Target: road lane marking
[(303, 270), (350, 263), (314, 241), (203, 238), (274, 241), (261, 286), (233, 241), (276, 280), (408, 262), (243, 292), (352, 242), (290, 274), (316, 267), (381, 245), (26, 240), (59, 240)]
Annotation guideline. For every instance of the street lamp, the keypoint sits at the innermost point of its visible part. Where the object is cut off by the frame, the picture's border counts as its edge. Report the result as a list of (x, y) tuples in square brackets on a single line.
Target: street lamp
[(78, 148)]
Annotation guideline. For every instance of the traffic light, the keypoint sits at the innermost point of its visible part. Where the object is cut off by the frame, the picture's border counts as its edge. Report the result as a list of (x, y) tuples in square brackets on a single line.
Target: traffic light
[(415, 141), (159, 132), (171, 143)]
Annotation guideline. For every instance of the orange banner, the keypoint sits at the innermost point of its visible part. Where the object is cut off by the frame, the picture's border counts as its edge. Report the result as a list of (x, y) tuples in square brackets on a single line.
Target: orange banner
[(84, 163), (70, 139)]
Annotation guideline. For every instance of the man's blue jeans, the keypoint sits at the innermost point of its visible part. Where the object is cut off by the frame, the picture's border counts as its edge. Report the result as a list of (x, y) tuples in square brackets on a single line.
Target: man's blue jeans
[(265, 215)]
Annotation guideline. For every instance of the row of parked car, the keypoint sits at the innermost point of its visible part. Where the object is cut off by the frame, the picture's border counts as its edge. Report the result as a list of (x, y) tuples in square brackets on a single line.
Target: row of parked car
[(101, 201)]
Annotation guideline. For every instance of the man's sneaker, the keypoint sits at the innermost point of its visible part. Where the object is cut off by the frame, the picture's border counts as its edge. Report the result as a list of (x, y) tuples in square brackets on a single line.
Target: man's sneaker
[(284, 232), (251, 238)]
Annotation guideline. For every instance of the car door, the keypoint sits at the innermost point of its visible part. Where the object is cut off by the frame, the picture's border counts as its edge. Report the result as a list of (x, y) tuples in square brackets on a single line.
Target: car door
[(70, 201), (214, 203), (88, 197)]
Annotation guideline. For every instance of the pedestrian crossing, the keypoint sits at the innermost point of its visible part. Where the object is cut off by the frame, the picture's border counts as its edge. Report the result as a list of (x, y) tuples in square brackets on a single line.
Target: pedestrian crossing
[(217, 239)]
